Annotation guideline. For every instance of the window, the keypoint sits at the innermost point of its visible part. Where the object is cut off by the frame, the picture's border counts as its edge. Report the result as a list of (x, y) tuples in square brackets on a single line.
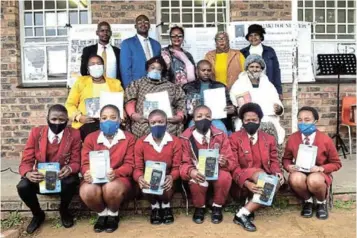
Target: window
[(44, 37), (332, 19), (192, 13)]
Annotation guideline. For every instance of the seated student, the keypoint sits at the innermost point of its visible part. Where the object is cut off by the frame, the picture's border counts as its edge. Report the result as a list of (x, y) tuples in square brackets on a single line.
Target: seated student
[(159, 146), (256, 153), (53, 143), (316, 183), (105, 199), (204, 136)]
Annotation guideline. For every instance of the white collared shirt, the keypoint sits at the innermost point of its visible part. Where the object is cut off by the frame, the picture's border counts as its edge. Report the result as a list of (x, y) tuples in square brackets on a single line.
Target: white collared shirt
[(103, 140), (199, 137), (311, 138), (111, 67), (258, 49), (51, 136), (166, 139), (255, 138), (142, 42)]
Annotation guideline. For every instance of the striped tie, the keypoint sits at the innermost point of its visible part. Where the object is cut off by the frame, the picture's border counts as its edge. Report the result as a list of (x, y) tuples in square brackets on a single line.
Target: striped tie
[(147, 49), (104, 56)]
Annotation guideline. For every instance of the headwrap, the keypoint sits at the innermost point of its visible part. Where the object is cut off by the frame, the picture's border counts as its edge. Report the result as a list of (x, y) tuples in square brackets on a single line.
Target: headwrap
[(226, 49)]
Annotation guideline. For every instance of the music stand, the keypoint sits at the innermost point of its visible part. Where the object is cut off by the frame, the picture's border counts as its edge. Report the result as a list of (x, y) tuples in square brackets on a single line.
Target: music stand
[(337, 64)]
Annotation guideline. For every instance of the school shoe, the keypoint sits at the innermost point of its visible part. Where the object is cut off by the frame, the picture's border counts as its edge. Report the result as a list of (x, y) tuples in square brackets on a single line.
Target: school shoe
[(100, 225), (112, 224), (167, 216), (66, 219), (199, 215), (251, 216), (216, 216), (155, 218), (307, 210), (321, 211), (245, 222), (36, 222)]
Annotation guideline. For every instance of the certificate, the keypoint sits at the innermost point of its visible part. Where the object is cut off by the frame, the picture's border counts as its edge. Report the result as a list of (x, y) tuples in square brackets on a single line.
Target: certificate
[(162, 98), (215, 99)]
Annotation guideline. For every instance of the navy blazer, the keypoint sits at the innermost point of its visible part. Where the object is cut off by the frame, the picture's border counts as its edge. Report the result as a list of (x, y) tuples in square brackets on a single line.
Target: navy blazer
[(272, 65), (132, 59)]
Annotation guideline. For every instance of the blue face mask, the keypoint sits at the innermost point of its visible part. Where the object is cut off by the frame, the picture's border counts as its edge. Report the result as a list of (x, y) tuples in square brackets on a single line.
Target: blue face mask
[(307, 128), (158, 131), (109, 128), (154, 74)]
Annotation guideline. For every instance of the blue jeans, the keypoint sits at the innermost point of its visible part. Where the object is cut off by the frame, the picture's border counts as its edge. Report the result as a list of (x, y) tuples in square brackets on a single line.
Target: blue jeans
[(216, 123)]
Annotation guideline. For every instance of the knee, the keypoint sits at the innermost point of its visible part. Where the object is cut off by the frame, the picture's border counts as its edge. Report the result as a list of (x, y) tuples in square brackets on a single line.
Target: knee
[(24, 185), (113, 190), (315, 181), (297, 179), (90, 193), (224, 179)]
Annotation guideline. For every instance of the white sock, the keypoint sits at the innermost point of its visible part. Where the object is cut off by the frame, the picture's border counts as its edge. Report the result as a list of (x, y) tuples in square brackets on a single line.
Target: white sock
[(156, 205), (243, 211), (103, 213), (112, 214), (165, 205), (309, 200), (203, 206), (216, 205), (321, 202)]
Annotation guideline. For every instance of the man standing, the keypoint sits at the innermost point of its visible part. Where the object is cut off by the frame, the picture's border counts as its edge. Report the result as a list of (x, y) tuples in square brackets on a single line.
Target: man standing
[(135, 51), (109, 53)]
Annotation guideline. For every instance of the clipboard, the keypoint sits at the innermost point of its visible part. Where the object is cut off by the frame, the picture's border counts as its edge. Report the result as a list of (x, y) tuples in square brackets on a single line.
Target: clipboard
[(306, 157)]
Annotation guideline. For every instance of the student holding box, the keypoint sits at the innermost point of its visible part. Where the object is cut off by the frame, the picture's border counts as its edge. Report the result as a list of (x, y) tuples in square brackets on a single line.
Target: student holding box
[(106, 198), (158, 146), (201, 137), (316, 182)]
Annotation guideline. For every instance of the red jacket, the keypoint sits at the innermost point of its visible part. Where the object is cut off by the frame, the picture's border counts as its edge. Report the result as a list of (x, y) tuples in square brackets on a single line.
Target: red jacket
[(121, 154), (171, 154), (240, 145), (69, 152), (188, 157), (327, 156)]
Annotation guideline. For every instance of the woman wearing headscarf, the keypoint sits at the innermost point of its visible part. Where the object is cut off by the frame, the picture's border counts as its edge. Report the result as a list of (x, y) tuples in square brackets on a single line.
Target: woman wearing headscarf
[(228, 63), (255, 37), (254, 86)]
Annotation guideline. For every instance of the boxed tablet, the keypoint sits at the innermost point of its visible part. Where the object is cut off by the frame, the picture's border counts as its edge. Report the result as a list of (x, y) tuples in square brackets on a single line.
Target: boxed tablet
[(99, 165), (268, 183), (51, 183), (208, 163), (155, 173)]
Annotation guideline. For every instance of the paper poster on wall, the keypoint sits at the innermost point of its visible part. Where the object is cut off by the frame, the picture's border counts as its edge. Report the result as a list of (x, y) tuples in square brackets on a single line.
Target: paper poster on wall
[(82, 35), (57, 62), (34, 63)]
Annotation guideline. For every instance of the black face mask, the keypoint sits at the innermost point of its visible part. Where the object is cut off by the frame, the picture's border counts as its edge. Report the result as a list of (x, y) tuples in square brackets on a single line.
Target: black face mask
[(56, 128), (203, 125), (251, 127)]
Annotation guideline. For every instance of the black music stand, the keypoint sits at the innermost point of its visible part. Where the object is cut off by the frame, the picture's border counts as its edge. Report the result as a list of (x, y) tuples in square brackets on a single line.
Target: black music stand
[(337, 64)]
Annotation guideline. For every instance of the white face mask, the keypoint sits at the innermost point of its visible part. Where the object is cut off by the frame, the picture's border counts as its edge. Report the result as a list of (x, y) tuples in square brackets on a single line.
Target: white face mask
[(96, 71), (254, 75)]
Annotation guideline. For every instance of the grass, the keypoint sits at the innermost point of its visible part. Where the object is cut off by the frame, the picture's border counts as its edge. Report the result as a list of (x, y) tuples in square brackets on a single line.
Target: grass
[(56, 223), (344, 204), (13, 220)]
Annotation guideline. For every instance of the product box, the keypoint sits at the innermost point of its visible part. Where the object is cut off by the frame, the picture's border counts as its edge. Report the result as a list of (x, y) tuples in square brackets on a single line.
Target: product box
[(208, 163), (268, 183), (155, 173), (99, 165), (51, 183)]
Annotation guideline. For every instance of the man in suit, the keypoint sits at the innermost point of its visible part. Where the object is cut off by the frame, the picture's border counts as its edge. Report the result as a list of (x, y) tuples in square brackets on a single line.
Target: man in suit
[(135, 51), (109, 53), (53, 143)]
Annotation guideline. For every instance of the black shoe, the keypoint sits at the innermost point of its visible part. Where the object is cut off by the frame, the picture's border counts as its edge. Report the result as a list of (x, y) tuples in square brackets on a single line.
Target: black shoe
[(35, 223), (100, 225), (251, 216), (199, 215), (216, 216), (155, 217), (66, 218), (245, 222), (321, 211), (307, 210), (167, 216), (112, 224)]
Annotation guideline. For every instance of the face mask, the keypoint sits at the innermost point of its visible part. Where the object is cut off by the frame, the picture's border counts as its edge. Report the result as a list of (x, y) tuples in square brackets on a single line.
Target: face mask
[(158, 131), (251, 127), (56, 128), (109, 128), (307, 128), (154, 74), (203, 125), (254, 75), (96, 71)]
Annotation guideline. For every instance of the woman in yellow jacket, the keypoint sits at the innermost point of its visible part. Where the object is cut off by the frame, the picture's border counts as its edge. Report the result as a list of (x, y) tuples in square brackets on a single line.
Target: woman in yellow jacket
[(83, 100)]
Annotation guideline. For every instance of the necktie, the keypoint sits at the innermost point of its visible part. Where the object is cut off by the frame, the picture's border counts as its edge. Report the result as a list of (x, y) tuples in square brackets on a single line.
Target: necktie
[(147, 49), (251, 140), (104, 56), (307, 140), (55, 140), (204, 141)]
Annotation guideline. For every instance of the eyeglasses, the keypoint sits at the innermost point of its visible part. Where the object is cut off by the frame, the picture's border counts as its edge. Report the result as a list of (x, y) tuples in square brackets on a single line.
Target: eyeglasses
[(176, 36), (220, 38), (142, 22)]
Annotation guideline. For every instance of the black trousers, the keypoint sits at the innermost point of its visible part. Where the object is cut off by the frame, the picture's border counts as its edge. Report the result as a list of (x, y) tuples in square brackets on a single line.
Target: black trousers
[(28, 191)]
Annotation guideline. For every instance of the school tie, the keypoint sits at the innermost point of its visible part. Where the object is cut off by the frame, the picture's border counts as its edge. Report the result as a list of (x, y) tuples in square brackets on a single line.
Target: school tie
[(307, 140), (147, 49), (251, 140), (204, 141), (104, 56), (55, 140)]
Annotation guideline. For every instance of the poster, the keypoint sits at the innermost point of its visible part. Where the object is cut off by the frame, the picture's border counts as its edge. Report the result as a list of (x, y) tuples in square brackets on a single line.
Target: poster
[(280, 36), (35, 64), (82, 35)]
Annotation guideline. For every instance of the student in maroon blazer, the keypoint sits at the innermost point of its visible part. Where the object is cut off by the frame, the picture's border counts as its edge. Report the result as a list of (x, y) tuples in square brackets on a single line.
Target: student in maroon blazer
[(204, 136), (105, 199), (256, 153), (159, 146), (53, 143), (316, 183)]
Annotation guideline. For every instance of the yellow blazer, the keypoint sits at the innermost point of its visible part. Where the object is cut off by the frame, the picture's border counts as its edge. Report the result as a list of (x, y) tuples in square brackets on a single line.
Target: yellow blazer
[(81, 90)]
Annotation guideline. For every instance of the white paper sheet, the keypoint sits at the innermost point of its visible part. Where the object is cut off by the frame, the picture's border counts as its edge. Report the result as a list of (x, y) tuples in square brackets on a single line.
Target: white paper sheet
[(215, 99), (114, 98), (163, 99), (57, 62)]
